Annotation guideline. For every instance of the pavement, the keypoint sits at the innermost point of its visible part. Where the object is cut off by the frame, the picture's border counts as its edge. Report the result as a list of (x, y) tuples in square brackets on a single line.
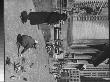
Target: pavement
[(13, 25)]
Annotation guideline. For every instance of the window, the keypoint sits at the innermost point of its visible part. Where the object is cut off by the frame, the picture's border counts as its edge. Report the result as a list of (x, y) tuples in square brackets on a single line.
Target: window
[(64, 3)]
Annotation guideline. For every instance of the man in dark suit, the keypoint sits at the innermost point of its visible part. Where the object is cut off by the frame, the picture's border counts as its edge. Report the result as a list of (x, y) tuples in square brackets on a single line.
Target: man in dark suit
[(37, 18)]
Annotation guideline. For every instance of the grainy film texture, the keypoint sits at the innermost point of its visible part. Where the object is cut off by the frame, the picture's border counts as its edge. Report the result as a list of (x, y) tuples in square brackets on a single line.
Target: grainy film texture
[(56, 41)]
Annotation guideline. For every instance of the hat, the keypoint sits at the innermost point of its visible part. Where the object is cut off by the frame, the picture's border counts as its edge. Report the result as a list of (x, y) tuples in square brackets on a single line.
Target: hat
[(24, 16)]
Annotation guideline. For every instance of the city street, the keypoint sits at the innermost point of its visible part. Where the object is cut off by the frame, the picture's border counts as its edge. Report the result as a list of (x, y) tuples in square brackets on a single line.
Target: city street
[(36, 62)]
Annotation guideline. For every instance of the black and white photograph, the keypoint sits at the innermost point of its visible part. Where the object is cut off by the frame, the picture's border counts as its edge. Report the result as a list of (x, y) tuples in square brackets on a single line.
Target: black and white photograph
[(56, 41)]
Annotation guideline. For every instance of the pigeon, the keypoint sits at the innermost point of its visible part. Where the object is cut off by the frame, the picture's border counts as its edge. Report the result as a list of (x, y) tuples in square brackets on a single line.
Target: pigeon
[(8, 61), (26, 42)]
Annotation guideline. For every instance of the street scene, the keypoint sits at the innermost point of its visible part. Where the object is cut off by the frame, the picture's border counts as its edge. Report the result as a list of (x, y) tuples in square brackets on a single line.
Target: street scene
[(56, 41)]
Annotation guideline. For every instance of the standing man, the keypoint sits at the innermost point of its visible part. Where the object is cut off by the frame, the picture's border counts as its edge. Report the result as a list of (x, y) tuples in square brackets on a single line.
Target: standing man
[(37, 18)]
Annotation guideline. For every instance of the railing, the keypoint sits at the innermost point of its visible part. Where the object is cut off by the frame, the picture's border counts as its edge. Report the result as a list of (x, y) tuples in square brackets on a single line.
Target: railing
[(91, 18), (102, 4)]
